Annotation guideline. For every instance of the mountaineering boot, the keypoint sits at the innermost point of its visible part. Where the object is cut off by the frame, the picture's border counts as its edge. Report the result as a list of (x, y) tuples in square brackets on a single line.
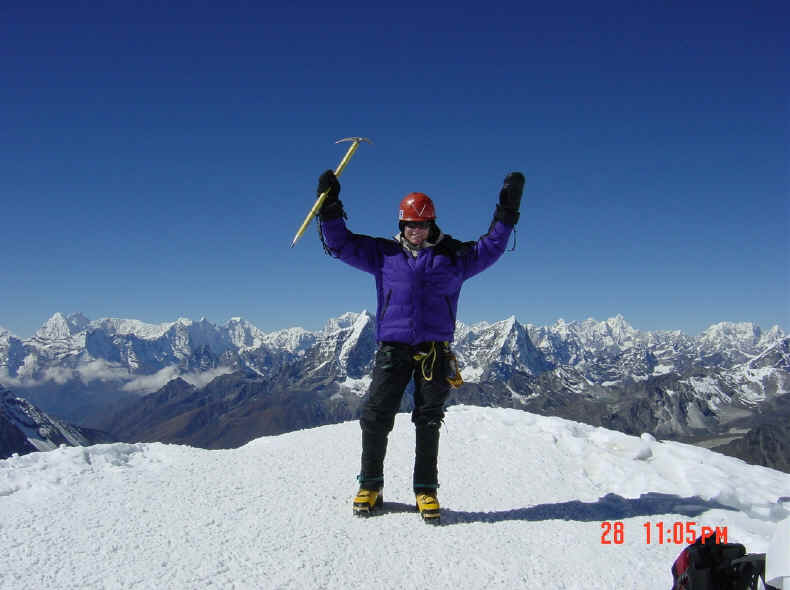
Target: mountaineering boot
[(428, 505), (367, 501)]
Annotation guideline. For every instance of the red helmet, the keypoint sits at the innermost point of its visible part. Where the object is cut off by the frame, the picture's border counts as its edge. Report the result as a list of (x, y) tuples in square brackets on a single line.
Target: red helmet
[(416, 207)]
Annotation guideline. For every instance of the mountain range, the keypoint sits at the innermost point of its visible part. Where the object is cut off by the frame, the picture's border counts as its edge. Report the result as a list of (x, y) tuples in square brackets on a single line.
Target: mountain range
[(222, 385)]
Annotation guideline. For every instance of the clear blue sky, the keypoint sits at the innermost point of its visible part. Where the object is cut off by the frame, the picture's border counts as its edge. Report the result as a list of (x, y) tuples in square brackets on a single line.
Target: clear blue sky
[(156, 162)]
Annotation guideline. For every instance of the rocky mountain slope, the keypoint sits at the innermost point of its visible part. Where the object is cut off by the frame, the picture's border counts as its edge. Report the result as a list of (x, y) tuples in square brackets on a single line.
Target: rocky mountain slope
[(24, 428)]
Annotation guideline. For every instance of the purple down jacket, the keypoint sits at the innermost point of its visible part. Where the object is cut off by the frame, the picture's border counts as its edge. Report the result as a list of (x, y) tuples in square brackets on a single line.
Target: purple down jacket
[(417, 298)]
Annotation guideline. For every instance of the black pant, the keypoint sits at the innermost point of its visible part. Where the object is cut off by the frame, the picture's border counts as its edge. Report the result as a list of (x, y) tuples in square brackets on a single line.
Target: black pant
[(394, 367)]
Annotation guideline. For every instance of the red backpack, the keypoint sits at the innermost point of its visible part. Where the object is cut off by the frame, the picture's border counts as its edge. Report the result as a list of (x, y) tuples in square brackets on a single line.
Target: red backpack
[(717, 566)]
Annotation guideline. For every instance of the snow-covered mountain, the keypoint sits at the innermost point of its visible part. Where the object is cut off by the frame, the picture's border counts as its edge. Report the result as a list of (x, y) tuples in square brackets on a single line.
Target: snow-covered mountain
[(120, 349), (493, 352), (607, 373), (612, 351), (12, 353), (529, 502), (608, 352)]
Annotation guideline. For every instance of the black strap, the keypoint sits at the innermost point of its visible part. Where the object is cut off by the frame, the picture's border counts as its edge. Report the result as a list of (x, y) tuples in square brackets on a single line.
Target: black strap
[(747, 570)]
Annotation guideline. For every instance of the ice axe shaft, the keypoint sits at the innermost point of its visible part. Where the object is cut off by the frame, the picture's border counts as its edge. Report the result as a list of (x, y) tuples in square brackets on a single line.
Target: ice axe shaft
[(355, 141)]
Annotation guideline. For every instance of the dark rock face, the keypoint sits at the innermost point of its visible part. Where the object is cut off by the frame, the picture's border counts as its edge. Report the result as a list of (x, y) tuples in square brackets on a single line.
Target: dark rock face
[(767, 445), (24, 428), (232, 410), (12, 440)]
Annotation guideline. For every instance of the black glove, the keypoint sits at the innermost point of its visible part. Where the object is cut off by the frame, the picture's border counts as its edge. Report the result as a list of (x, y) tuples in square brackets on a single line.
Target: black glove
[(510, 195), (510, 199), (331, 208)]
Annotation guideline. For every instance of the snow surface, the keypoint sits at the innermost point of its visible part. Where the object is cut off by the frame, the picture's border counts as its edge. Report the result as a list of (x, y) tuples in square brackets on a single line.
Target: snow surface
[(777, 564), (524, 499), (472, 373), (358, 386), (663, 369)]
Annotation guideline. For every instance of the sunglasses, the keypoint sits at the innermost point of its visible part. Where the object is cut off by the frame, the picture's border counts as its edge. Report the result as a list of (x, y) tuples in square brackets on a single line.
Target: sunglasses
[(418, 224)]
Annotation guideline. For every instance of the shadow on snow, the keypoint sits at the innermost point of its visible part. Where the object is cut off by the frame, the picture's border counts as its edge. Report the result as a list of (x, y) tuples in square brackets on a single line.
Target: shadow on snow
[(609, 507)]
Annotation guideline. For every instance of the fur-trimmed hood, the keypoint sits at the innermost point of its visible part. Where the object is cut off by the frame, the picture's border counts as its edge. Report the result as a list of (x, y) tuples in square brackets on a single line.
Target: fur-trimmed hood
[(415, 250)]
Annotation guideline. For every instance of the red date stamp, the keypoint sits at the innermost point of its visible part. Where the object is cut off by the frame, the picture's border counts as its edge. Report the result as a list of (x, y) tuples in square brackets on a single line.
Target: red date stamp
[(678, 533)]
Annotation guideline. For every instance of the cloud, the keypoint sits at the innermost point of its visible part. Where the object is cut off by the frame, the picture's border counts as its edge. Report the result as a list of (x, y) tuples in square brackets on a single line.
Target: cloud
[(151, 383), (57, 375), (96, 370), (7, 380), (101, 370)]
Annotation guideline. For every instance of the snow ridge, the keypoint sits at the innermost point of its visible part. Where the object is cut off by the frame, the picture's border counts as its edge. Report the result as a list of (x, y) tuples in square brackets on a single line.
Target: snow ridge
[(184, 513)]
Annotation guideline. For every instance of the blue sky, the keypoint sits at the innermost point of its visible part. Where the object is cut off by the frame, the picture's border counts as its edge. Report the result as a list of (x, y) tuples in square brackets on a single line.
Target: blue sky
[(155, 162)]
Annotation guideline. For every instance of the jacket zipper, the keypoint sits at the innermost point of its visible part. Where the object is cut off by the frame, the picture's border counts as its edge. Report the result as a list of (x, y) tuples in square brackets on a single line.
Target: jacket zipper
[(450, 309), (386, 303)]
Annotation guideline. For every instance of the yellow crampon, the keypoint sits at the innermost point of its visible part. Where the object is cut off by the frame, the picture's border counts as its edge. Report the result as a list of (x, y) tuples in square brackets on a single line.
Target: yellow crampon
[(428, 505), (367, 501)]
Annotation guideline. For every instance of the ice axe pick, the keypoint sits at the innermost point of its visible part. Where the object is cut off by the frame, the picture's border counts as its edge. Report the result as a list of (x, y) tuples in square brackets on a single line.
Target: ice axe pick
[(355, 141)]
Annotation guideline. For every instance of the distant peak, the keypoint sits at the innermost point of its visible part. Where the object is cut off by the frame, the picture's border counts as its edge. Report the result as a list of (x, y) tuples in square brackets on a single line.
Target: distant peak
[(732, 330), (78, 318), (619, 321), (55, 328), (731, 326), (347, 320), (364, 317), (178, 382), (509, 323)]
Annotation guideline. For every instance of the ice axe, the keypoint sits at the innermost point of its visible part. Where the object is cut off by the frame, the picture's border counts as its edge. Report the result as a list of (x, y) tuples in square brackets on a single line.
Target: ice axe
[(320, 200)]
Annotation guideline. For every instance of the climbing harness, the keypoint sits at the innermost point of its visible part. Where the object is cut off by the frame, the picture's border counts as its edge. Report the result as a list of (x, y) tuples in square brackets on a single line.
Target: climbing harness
[(427, 362)]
